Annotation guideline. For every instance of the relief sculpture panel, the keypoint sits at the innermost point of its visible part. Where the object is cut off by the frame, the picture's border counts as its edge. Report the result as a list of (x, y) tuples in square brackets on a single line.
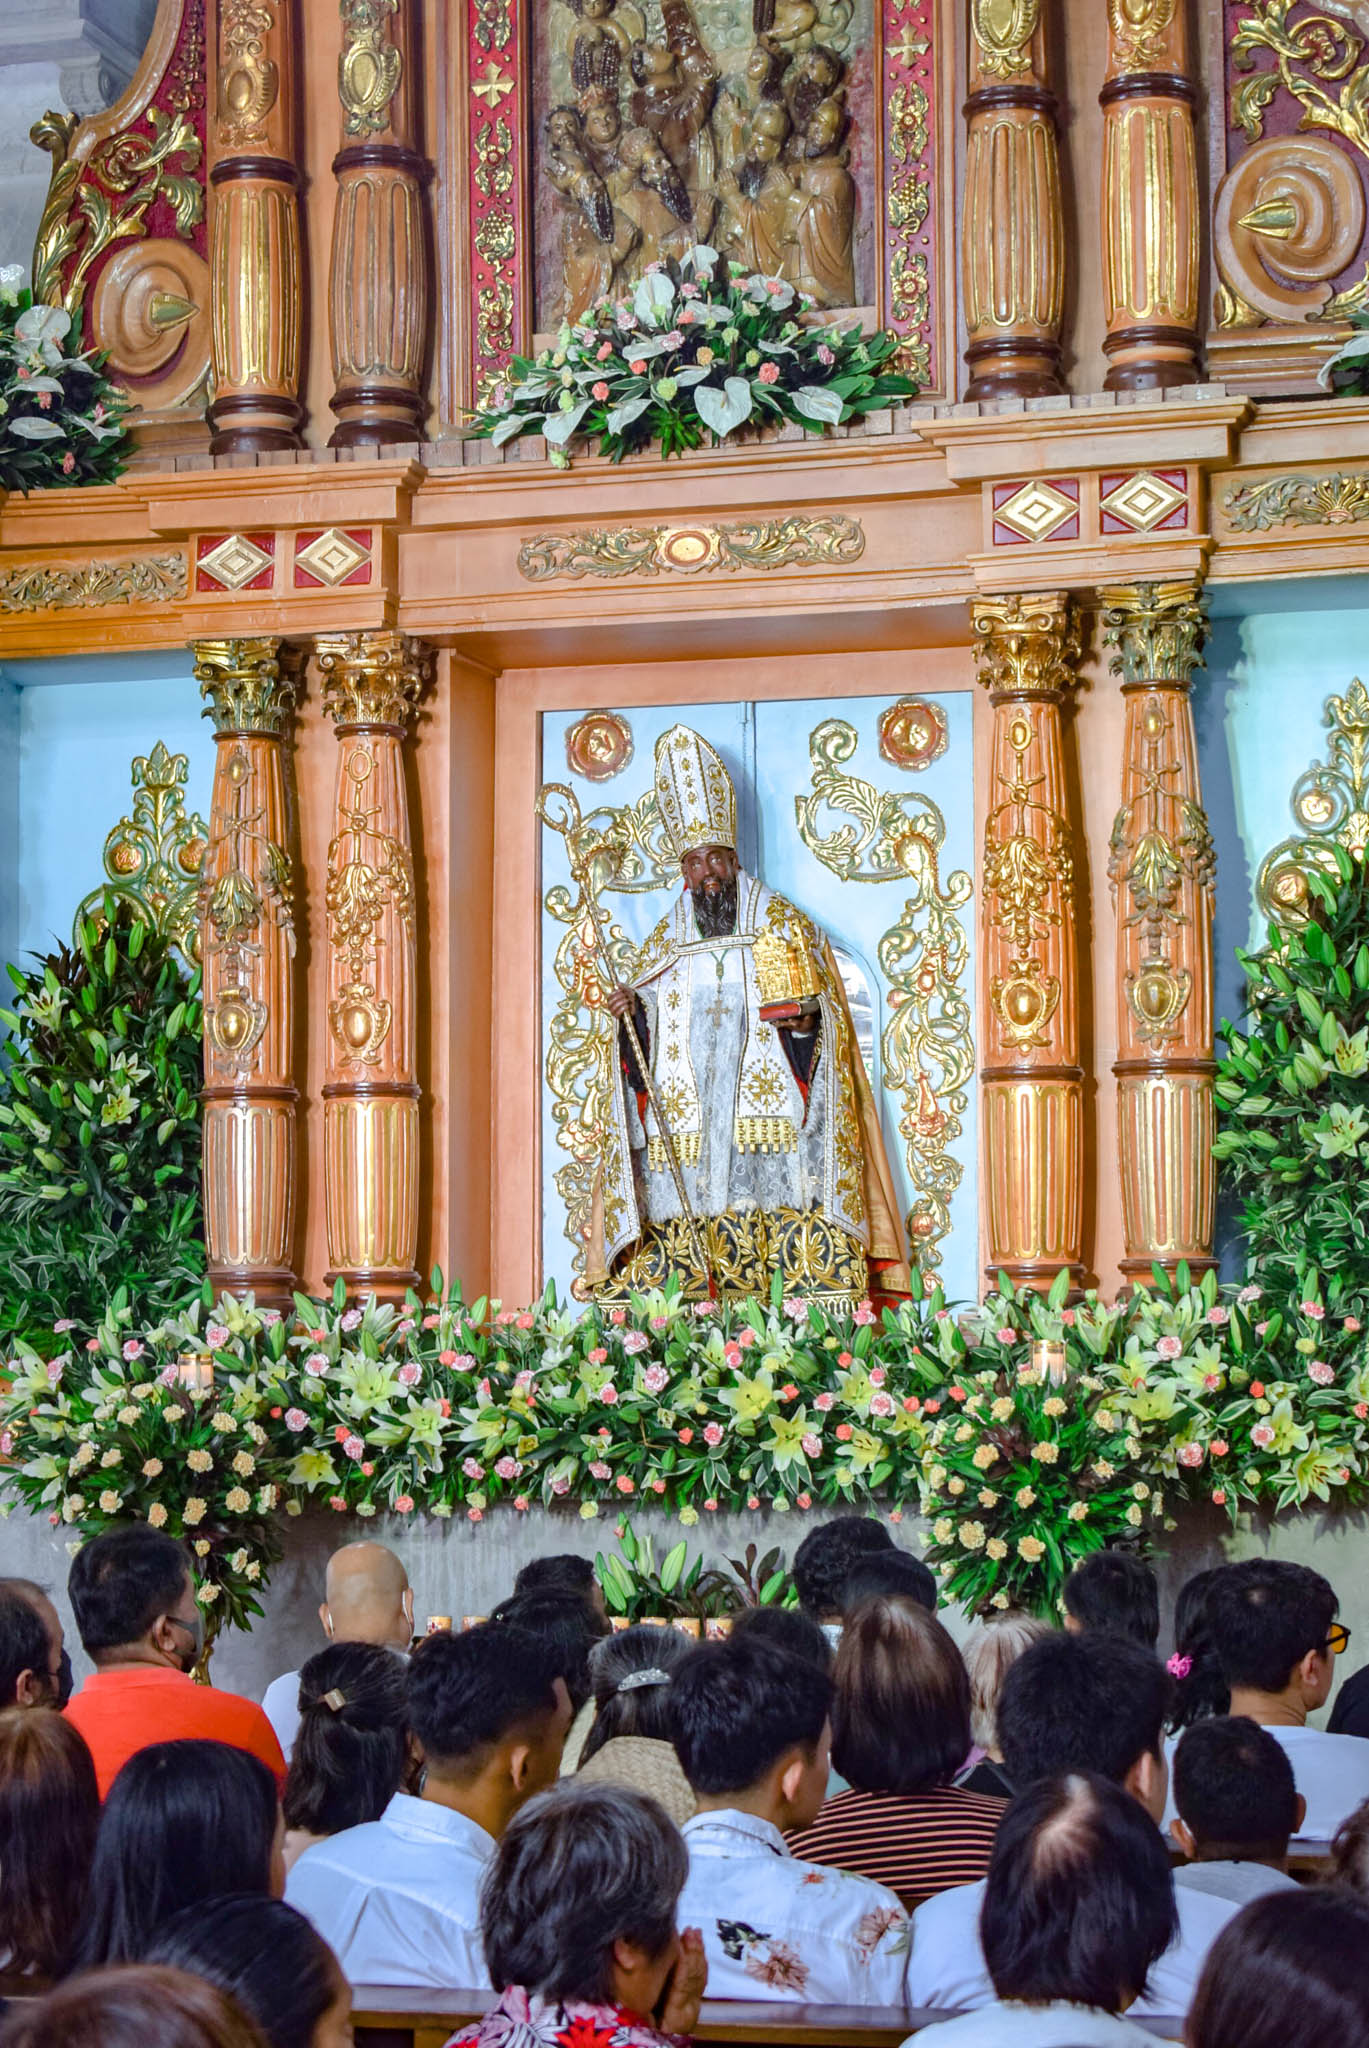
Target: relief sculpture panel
[(746, 124)]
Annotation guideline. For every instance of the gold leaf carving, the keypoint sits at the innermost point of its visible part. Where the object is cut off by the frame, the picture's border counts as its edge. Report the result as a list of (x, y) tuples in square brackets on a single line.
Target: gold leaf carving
[(1340, 498), (1330, 802), (154, 855), (1003, 30), (1138, 31), (793, 541), (249, 80), (57, 586), (95, 201), (927, 1047), (369, 67)]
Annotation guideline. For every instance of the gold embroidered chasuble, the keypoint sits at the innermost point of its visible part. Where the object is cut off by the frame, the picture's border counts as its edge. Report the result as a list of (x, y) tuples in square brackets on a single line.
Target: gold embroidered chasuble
[(782, 1178)]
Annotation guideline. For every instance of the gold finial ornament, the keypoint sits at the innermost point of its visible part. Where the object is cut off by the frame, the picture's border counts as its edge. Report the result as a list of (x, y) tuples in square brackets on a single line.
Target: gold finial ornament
[(154, 855), (369, 68), (1330, 801), (694, 791)]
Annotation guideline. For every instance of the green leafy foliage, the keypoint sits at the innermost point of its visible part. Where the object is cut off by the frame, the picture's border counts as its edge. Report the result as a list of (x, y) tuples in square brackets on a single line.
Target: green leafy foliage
[(1293, 1098), (99, 1134), (61, 420), (1347, 371), (700, 348)]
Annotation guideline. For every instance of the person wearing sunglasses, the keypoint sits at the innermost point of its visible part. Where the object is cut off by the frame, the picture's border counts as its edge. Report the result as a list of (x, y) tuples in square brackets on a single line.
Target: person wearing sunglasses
[(1276, 1635), (133, 1596)]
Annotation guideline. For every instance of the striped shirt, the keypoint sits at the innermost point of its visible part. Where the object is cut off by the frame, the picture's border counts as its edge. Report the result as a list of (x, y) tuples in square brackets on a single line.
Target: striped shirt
[(916, 1843)]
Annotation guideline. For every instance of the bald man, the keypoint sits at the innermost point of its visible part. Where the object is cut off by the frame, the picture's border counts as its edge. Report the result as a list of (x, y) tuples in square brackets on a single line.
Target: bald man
[(367, 1599)]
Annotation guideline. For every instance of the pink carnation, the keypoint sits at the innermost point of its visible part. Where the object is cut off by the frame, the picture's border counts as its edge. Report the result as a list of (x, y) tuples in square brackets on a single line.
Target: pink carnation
[(352, 1319), (637, 367), (746, 1337), (560, 1485), (507, 1468), (822, 1402), (410, 1374), (68, 460), (1219, 1317), (1067, 1318), (635, 1341), (431, 1322), (1006, 1335), (316, 1365), (617, 1315), (133, 1349), (521, 1503), (1320, 1372), (404, 1504), (877, 1375), (711, 1506), (62, 1325), (1351, 1323), (686, 1436), (337, 1504), (1313, 1309), (624, 1484), (1262, 1435), (655, 1378), (475, 1514), (609, 1395), (1249, 1294), (882, 1404), (803, 1500), (1190, 1454), (446, 1358), (598, 1356), (603, 352), (353, 1447), (55, 1370), (812, 1446), (472, 1468), (864, 1317), (296, 1420), (599, 1470), (1168, 1347), (769, 373), (713, 1434)]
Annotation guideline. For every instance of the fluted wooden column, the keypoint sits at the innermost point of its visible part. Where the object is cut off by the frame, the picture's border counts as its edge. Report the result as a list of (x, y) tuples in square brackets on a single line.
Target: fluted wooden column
[(378, 276), (1026, 651), (371, 683), (1012, 231), (256, 278), (247, 938), (1162, 869), (1150, 198)]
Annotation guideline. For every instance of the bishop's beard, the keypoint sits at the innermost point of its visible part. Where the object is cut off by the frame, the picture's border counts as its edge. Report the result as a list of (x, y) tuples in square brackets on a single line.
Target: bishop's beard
[(715, 910)]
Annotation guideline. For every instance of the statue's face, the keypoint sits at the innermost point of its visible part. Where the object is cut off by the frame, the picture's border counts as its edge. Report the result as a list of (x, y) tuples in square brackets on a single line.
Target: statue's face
[(563, 132), (658, 61), (595, 10), (603, 124), (767, 135), (823, 128), (709, 868), (758, 64)]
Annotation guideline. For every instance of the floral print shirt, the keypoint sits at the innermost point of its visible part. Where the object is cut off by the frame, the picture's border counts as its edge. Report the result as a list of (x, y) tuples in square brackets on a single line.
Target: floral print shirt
[(519, 2021), (774, 1927)]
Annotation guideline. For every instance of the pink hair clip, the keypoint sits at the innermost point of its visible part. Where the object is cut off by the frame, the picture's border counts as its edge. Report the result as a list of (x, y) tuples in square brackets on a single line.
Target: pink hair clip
[(1179, 1667)]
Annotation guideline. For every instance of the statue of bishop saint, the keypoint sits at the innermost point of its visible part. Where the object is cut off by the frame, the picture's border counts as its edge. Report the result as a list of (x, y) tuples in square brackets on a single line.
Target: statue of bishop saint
[(761, 1088)]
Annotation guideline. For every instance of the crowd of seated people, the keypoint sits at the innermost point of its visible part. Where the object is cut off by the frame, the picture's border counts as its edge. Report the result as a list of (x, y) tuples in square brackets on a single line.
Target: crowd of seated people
[(1045, 1838)]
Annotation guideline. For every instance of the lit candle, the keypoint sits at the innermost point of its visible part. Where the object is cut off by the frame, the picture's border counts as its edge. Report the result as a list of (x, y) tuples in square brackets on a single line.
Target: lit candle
[(196, 1374), (439, 1624), (1048, 1359)]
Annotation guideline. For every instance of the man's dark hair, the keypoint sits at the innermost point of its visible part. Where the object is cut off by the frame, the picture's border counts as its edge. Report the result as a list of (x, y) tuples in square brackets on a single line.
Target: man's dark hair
[(23, 1642), (740, 1706), (468, 1691), (890, 1573), (264, 1955), (560, 1573), (565, 1622), (823, 1562), (1114, 1593), (1265, 1617), (1079, 1902), (1234, 1790), (120, 1582), (788, 1628), (1081, 1703), (1287, 1972)]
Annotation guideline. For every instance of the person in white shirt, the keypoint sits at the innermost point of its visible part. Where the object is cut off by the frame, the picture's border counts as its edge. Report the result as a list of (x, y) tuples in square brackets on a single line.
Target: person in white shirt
[(1276, 1634), (398, 1899), (367, 1599), (1237, 1807), (1078, 1908), (1072, 1703), (753, 1732)]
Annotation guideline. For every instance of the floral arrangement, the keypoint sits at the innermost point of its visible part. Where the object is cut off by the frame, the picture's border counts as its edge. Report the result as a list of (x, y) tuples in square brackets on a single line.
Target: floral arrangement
[(99, 1132), (61, 420), (701, 347), (1086, 1424)]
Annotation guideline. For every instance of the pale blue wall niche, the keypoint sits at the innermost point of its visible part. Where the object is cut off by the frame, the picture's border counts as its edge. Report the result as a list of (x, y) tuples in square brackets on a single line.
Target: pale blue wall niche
[(80, 723)]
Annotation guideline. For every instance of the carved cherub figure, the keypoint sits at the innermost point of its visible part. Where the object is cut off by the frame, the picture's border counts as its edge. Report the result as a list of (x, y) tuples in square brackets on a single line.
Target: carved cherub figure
[(618, 21), (675, 84), (785, 22)]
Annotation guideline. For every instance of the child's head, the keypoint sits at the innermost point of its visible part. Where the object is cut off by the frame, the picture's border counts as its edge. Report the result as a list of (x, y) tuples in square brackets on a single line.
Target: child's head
[(1234, 1791), (751, 1720), (1113, 1593)]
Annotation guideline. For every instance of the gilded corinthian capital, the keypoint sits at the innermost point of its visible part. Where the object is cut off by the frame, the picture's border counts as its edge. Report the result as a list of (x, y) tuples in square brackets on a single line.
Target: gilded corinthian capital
[(372, 678), (1157, 630), (1027, 645), (247, 685)]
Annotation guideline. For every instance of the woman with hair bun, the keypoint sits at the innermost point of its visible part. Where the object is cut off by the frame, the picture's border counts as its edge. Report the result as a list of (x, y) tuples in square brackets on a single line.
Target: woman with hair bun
[(352, 1750), (630, 1740)]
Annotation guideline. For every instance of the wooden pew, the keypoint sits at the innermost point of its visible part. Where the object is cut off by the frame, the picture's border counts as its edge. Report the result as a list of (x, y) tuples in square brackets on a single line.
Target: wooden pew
[(384, 2017)]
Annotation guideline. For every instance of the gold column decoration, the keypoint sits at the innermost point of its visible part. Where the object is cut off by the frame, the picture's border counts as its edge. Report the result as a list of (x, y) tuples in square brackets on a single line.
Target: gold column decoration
[(371, 684), (154, 856), (1162, 867), (247, 945), (378, 274), (1330, 802), (256, 274), (1150, 198), (1027, 650), (1013, 232)]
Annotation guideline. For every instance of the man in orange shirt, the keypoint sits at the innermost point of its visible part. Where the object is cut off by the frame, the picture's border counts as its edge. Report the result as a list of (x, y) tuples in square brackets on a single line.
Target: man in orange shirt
[(134, 1602)]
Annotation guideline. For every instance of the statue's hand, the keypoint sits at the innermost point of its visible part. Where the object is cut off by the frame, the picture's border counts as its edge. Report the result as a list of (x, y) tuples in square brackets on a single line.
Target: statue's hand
[(621, 1001)]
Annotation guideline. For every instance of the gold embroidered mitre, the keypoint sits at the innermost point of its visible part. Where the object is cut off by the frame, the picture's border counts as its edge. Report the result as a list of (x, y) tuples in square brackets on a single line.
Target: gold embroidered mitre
[(694, 791)]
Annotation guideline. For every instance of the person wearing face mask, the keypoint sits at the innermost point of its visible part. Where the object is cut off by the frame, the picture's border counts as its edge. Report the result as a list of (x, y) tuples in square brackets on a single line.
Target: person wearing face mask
[(35, 1670), (134, 1601), (367, 1598)]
